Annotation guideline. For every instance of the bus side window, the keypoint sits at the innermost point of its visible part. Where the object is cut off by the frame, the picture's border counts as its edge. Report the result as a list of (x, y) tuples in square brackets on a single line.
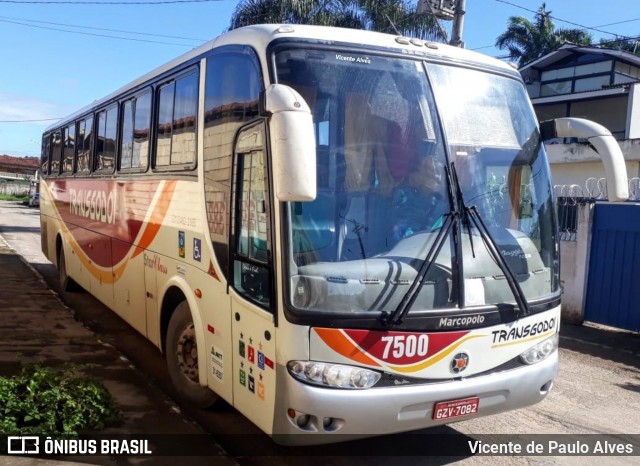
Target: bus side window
[(176, 123), (56, 152), (68, 151), (46, 154), (232, 91), (252, 276), (106, 148), (85, 130)]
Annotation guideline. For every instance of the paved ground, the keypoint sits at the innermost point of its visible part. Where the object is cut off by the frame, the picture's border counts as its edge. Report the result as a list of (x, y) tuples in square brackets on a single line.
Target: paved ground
[(36, 327)]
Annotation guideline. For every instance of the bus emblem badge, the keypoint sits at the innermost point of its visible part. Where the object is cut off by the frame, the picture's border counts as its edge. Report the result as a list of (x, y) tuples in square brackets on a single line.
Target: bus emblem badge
[(181, 244), (459, 363)]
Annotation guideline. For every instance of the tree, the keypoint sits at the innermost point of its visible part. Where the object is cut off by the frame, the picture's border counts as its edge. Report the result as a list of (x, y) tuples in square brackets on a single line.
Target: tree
[(626, 44), (526, 41), (391, 16)]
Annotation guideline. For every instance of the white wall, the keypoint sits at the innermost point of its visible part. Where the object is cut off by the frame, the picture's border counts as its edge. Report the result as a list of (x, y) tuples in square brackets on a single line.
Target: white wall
[(633, 113), (575, 163)]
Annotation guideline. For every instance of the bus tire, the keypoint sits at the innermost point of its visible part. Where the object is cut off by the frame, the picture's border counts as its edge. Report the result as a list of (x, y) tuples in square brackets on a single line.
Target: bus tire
[(182, 359), (66, 282)]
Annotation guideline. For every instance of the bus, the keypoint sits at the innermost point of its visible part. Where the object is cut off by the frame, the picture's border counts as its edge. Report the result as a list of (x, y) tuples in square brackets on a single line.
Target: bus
[(338, 232)]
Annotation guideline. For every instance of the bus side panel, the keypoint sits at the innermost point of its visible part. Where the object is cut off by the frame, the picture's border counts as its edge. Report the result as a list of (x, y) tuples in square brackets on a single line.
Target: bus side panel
[(102, 286), (75, 266), (129, 286), (152, 306)]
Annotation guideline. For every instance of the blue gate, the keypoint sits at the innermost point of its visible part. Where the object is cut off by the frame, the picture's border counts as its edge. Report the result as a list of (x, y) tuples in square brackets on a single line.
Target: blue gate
[(613, 286)]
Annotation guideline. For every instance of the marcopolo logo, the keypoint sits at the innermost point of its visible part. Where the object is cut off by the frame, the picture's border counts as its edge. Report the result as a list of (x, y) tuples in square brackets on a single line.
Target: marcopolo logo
[(461, 321)]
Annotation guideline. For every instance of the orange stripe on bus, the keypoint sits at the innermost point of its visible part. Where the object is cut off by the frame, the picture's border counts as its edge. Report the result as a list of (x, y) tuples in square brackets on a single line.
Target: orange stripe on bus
[(435, 358), (338, 342), (157, 217)]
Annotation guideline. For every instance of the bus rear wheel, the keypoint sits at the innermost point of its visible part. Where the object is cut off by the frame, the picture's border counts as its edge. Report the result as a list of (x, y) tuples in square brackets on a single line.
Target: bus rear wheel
[(182, 359), (66, 282)]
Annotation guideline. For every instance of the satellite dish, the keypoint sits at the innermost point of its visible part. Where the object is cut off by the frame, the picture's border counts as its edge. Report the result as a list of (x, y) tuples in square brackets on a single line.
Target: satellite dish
[(443, 9)]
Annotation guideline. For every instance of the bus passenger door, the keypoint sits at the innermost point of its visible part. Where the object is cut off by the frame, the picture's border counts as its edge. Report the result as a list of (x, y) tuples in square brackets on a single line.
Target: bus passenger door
[(252, 300)]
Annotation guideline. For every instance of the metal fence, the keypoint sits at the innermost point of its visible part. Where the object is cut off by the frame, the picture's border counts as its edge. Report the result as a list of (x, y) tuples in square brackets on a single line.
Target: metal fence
[(571, 195)]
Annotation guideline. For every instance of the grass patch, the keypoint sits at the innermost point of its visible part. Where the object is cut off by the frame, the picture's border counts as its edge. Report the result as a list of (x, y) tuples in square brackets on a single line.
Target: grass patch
[(14, 197), (45, 401)]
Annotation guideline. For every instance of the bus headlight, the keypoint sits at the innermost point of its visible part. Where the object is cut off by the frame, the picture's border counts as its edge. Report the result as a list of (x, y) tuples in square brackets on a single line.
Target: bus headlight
[(541, 351), (333, 375)]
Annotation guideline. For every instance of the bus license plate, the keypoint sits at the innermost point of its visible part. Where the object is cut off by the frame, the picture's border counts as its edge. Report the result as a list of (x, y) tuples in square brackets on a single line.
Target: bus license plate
[(456, 408)]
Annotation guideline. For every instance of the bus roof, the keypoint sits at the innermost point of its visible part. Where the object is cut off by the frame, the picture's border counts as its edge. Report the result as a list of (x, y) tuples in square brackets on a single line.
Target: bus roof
[(260, 36)]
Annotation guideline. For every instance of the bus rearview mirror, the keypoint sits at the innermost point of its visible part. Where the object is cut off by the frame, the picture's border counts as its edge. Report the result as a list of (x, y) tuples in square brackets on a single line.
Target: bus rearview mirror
[(293, 144)]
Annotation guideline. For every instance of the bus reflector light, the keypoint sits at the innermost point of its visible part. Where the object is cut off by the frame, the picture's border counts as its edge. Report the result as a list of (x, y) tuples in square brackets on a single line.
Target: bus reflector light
[(333, 375), (541, 351), (285, 28), (198, 293)]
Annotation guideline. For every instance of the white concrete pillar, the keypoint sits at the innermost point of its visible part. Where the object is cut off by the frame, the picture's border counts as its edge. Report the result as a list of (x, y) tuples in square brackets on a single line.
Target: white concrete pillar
[(575, 267)]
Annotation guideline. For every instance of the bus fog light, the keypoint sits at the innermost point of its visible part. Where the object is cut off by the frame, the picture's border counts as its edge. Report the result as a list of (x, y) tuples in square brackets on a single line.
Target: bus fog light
[(303, 420), (541, 351), (333, 375)]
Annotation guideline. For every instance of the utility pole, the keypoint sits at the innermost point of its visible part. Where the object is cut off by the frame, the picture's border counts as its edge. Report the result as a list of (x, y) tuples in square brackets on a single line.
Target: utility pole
[(446, 10), (458, 23)]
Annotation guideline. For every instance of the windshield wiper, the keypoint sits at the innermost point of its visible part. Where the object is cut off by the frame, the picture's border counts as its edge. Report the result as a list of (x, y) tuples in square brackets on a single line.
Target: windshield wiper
[(516, 290), (398, 315), (471, 213)]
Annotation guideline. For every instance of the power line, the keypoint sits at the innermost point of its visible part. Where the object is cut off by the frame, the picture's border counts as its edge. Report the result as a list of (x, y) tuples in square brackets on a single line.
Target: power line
[(92, 34), (94, 2), (594, 28), (101, 29), (552, 17), (29, 121), (618, 22)]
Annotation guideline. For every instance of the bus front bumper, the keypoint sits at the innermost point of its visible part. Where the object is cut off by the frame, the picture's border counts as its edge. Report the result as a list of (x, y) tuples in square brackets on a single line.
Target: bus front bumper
[(336, 415)]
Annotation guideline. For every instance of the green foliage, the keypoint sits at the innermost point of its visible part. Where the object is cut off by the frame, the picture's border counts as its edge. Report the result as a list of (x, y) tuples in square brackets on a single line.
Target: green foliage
[(626, 44), (45, 401), (526, 41), (390, 16), (13, 197)]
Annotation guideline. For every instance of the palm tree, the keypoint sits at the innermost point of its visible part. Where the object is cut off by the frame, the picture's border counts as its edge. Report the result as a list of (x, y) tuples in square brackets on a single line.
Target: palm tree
[(526, 41), (391, 16)]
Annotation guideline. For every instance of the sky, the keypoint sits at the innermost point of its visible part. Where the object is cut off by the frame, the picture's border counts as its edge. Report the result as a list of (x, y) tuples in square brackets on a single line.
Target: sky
[(57, 58)]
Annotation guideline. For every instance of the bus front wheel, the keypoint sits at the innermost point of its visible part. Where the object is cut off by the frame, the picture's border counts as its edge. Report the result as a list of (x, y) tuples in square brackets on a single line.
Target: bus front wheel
[(182, 359)]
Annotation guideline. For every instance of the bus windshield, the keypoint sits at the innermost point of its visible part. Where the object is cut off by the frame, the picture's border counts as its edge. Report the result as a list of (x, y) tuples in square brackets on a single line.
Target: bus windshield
[(386, 128)]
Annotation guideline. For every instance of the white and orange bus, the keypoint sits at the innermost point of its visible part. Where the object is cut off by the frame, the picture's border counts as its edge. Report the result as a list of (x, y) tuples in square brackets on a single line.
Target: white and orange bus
[(338, 232)]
